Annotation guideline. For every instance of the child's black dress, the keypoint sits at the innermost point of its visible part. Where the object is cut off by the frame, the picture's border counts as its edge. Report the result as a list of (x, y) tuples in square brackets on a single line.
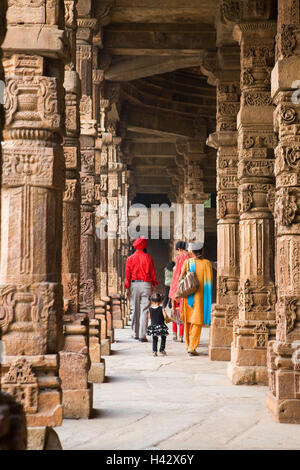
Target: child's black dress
[(157, 328)]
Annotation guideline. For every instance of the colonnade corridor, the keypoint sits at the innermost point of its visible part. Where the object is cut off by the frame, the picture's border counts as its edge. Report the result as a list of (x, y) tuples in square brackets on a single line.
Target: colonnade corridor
[(189, 111), (173, 402)]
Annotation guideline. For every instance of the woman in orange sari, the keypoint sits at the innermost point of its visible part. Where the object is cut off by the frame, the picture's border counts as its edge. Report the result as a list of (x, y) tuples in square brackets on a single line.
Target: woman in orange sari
[(196, 309), (182, 255)]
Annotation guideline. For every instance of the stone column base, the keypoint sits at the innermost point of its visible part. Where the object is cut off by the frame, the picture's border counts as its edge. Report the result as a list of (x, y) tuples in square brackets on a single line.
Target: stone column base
[(219, 353), (42, 438), (43, 405), (43, 418), (111, 335), (105, 347), (284, 410), (118, 323), (221, 332), (247, 375), (78, 403), (97, 372)]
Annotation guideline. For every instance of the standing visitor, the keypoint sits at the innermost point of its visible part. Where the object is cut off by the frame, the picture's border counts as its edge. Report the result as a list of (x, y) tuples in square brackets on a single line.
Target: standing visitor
[(140, 282), (158, 328), (196, 309), (168, 280), (182, 255)]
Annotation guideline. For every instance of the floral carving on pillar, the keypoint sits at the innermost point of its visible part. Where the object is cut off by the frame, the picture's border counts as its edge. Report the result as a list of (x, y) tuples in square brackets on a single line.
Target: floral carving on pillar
[(283, 353), (256, 141)]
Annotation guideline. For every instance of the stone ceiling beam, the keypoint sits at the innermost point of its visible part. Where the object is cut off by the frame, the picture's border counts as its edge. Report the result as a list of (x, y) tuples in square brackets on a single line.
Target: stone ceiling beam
[(152, 162), (146, 66), (168, 11), (153, 149), (165, 91), (158, 40), (138, 118), (132, 94), (153, 189), (185, 83)]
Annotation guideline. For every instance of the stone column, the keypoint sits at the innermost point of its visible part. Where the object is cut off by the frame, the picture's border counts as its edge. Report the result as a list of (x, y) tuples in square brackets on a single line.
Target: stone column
[(176, 197), (74, 359), (13, 434), (256, 140), (87, 27), (32, 183), (125, 245), (225, 311), (283, 399), (114, 169), (104, 142), (102, 301), (193, 176)]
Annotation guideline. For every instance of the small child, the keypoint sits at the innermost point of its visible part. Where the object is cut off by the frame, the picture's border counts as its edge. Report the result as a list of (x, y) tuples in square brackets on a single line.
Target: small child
[(158, 327)]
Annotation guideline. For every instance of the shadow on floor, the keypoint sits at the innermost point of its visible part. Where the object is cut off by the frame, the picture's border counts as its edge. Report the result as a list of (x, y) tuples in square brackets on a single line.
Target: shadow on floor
[(117, 379)]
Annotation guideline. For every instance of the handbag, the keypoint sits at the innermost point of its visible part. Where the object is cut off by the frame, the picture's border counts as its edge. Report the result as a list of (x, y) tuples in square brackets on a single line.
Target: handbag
[(188, 285), (168, 319)]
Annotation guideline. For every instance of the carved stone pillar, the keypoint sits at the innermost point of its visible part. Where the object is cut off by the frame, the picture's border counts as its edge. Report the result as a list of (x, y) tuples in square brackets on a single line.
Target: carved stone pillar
[(32, 183), (106, 140), (256, 140), (225, 311), (13, 434), (193, 180), (114, 169), (283, 399), (87, 27), (74, 359), (125, 244)]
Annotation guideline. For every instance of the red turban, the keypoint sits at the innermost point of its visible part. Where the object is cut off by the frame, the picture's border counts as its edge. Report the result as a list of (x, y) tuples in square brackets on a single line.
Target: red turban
[(140, 243)]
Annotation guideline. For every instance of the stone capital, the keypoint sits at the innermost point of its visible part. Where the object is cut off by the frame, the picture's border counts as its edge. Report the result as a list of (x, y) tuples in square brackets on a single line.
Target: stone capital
[(259, 30), (236, 11), (218, 139)]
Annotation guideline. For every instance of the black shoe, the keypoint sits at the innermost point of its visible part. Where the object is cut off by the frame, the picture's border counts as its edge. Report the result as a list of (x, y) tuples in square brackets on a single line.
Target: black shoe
[(143, 340)]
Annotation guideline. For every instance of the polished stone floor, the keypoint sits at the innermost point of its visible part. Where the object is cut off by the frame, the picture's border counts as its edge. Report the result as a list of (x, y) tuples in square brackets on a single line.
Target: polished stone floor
[(174, 402)]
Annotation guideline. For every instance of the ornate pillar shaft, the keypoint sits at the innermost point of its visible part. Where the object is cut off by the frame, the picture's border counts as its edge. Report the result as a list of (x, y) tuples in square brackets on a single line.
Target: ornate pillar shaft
[(193, 182), (283, 399), (256, 140), (85, 55), (32, 184), (101, 295), (86, 26), (225, 311), (74, 359), (113, 196), (13, 425), (71, 198)]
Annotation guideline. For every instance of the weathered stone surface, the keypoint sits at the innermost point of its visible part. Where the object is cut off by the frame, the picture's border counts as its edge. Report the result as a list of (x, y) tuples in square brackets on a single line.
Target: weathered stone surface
[(78, 403), (225, 311), (97, 372), (43, 438), (74, 360), (256, 291), (283, 400), (32, 180)]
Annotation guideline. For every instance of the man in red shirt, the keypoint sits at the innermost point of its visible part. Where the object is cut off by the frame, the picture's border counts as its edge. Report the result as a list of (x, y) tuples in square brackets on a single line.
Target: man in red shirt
[(140, 282)]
